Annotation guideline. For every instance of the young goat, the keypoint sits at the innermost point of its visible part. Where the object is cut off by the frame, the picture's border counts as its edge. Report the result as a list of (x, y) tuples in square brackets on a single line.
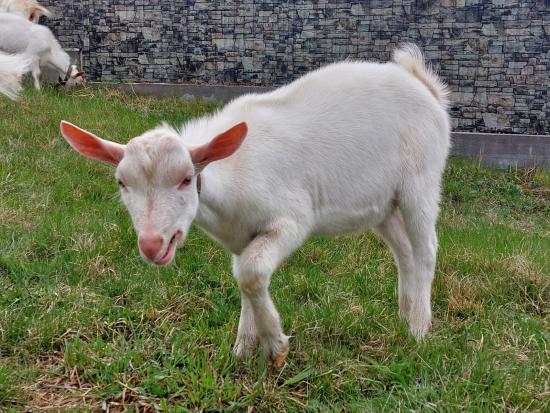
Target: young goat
[(351, 146), (28, 9), (12, 68), (35, 42)]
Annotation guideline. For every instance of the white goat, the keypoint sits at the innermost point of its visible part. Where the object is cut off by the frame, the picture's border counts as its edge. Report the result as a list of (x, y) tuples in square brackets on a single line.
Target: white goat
[(12, 68), (36, 42), (29, 9), (351, 146)]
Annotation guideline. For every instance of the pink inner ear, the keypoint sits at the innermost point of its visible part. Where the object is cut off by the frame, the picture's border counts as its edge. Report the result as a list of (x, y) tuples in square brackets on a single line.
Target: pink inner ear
[(222, 146), (89, 145)]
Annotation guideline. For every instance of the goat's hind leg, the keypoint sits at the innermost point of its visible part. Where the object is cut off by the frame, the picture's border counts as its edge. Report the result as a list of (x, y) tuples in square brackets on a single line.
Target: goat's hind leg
[(419, 206), (35, 71), (393, 230)]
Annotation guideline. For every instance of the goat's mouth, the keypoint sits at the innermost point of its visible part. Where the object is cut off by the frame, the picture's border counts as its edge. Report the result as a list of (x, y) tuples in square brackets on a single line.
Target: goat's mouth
[(170, 249)]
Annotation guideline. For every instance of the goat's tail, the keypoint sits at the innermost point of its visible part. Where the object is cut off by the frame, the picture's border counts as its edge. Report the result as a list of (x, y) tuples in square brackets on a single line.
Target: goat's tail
[(12, 68), (411, 59)]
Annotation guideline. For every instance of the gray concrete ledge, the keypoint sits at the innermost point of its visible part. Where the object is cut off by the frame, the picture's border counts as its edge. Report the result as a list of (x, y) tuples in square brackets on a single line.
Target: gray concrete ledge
[(502, 150), (185, 90)]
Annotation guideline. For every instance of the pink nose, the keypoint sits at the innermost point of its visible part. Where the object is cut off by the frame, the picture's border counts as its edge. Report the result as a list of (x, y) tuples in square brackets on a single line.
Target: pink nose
[(150, 244)]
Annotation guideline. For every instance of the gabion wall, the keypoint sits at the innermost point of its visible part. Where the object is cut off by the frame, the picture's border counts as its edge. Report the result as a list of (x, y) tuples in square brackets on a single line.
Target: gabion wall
[(495, 55)]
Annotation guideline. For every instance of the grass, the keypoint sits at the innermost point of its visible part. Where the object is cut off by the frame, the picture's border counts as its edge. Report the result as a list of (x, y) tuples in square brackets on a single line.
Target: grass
[(86, 325)]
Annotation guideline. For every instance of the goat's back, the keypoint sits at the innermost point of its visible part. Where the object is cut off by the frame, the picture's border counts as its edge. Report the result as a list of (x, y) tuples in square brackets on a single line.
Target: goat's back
[(351, 117)]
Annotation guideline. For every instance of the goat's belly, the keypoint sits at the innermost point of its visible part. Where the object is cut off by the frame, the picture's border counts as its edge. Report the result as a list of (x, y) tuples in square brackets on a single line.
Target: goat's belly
[(339, 221)]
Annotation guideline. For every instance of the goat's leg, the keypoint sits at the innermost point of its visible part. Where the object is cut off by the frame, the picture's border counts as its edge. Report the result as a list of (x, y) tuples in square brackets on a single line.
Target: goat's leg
[(394, 233), (246, 334), (253, 270), (420, 209), (36, 73)]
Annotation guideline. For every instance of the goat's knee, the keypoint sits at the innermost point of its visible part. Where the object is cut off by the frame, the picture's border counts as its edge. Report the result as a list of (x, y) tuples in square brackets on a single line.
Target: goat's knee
[(252, 283), (253, 273)]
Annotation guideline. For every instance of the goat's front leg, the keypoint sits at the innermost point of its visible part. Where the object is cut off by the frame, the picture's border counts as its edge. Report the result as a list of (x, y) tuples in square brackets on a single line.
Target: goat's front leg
[(246, 334), (253, 269)]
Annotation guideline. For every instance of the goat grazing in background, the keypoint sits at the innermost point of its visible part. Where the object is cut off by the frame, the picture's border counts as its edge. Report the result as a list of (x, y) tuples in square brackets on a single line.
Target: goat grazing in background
[(28, 9), (350, 146), (12, 68), (37, 43)]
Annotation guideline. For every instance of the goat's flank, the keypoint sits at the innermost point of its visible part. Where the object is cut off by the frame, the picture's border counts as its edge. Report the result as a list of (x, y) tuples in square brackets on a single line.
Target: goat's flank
[(351, 146)]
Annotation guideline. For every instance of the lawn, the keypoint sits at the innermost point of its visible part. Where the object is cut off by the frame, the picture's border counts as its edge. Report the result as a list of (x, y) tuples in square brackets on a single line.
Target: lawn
[(86, 325)]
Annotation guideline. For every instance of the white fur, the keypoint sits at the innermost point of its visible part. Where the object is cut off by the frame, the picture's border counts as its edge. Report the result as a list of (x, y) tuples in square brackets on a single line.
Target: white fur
[(351, 146), (28, 9), (33, 41), (12, 68)]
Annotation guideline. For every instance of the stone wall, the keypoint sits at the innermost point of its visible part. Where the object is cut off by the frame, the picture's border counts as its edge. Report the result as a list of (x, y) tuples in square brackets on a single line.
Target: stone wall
[(495, 55)]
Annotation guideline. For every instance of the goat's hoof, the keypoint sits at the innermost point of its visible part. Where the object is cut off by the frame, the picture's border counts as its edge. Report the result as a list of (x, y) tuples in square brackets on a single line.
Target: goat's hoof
[(419, 332), (278, 351), (278, 361)]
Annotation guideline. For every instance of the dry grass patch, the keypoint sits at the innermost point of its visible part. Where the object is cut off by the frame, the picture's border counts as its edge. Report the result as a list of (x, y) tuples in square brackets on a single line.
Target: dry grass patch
[(60, 388), (464, 295), (57, 389), (13, 216), (177, 308), (99, 266), (533, 284)]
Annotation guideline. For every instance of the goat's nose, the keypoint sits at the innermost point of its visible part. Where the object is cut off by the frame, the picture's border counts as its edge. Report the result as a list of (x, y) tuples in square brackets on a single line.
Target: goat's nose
[(150, 244)]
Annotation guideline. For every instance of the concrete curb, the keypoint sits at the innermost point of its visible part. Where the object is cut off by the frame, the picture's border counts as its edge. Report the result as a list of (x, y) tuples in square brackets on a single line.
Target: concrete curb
[(185, 91), (503, 150)]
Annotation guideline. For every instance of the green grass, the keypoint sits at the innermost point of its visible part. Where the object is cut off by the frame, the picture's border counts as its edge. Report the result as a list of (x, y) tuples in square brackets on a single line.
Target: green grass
[(86, 324)]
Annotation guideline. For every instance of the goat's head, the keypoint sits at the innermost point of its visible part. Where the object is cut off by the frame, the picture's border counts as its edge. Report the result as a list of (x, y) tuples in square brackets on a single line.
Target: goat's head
[(73, 77), (157, 175)]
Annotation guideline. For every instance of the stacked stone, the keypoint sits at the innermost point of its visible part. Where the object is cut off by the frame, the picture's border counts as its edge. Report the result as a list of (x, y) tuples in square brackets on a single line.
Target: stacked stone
[(495, 55)]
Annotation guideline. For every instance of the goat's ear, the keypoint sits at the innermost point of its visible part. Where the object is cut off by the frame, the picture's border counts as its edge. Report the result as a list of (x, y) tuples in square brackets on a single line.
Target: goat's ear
[(90, 146), (222, 146)]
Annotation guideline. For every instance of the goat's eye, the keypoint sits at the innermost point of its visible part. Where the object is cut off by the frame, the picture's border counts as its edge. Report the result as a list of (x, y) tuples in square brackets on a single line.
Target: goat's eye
[(186, 182), (121, 184)]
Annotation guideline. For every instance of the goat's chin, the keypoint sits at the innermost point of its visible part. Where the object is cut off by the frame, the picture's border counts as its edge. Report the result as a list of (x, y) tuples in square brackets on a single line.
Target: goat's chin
[(168, 257)]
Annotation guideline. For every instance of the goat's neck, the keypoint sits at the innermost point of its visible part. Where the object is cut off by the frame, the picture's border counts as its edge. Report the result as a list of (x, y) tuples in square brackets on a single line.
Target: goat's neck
[(216, 213), (210, 197), (60, 60)]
